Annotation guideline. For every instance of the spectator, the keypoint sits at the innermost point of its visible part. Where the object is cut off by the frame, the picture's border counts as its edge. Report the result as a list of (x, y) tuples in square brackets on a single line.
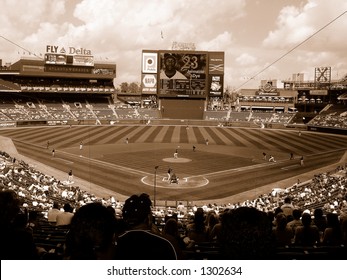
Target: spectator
[(287, 207), (344, 231), (277, 211), (52, 213), (211, 220), (246, 235), (282, 233), (319, 220), (271, 216), (296, 222), (92, 234), (343, 222), (16, 243), (197, 230), (332, 233), (64, 218), (171, 233), (140, 241), (307, 234), (216, 230)]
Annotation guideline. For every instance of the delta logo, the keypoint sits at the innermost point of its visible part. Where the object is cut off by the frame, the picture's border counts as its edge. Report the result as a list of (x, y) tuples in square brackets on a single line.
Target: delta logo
[(69, 50)]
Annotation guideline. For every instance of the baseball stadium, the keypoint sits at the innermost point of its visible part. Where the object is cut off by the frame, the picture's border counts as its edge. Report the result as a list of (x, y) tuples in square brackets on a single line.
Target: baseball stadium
[(183, 140)]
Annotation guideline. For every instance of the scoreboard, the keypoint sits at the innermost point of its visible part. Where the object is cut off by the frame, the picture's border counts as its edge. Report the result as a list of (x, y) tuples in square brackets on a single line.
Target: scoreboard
[(182, 74), (189, 77), (71, 60)]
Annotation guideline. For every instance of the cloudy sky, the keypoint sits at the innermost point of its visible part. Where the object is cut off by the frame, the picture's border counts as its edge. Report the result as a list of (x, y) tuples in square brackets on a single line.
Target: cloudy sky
[(262, 39)]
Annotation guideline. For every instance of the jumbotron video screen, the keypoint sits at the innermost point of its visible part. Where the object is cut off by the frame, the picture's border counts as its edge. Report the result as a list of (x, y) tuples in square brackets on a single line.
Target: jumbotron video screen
[(187, 74)]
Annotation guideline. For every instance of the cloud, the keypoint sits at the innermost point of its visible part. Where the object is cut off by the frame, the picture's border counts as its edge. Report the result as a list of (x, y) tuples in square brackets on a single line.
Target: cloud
[(246, 59), (219, 43), (296, 24), (121, 29)]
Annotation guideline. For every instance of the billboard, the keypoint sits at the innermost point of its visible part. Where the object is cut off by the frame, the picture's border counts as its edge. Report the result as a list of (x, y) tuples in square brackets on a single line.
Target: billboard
[(83, 60), (182, 74), (149, 62), (216, 63), (216, 73), (71, 56), (149, 83), (215, 85)]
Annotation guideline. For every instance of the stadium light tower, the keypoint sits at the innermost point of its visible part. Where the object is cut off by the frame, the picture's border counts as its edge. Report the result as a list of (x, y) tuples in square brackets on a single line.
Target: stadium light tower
[(155, 185)]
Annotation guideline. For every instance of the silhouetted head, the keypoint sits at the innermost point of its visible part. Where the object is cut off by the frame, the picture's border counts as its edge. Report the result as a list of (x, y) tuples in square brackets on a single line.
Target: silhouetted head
[(9, 207), (68, 207), (136, 209), (306, 219), (246, 234), (91, 234)]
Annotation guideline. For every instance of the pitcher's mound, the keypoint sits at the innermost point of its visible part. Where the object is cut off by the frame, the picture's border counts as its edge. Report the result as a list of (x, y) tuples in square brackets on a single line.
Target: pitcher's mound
[(178, 160)]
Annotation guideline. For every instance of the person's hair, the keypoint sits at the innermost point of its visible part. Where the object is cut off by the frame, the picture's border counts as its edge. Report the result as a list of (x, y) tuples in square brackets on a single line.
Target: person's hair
[(171, 227), (68, 207), (281, 221), (297, 214), (169, 55), (246, 234), (287, 200), (344, 231), (21, 220), (91, 233), (278, 210), (212, 219), (333, 220), (111, 209), (318, 213), (306, 219), (9, 208), (199, 220), (136, 209)]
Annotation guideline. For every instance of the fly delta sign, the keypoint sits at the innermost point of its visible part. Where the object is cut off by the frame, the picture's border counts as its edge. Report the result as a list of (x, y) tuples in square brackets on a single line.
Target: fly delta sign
[(69, 50)]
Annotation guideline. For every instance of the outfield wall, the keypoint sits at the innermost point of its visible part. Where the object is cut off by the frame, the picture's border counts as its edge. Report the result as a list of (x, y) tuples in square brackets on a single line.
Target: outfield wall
[(182, 108)]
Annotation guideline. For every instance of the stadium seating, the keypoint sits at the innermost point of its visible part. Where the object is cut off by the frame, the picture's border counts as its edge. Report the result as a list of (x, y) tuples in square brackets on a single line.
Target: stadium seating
[(43, 190), (333, 116)]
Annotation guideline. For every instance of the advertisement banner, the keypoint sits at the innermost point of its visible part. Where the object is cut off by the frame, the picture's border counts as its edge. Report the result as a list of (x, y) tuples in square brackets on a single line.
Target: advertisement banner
[(216, 85), (149, 83), (83, 60), (149, 62), (216, 63)]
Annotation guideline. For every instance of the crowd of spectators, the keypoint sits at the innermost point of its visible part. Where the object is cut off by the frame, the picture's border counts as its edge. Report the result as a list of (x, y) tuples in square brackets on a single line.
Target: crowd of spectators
[(312, 213), (335, 120)]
